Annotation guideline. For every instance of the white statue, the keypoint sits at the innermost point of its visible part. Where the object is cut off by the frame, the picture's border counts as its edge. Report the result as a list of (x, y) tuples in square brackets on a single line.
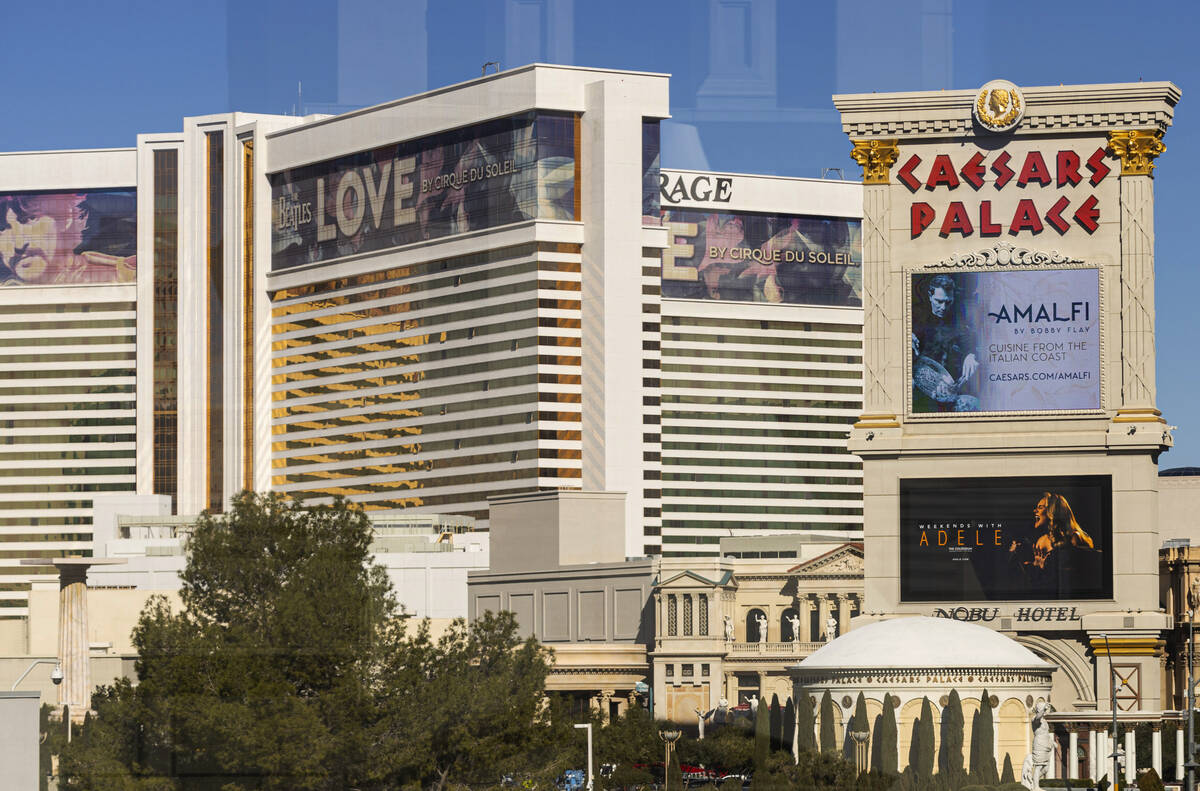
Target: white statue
[(762, 627), (831, 628), (701, 716), (722, 713), (753, 701), (1037, 763), (728, 629), (794, 620)]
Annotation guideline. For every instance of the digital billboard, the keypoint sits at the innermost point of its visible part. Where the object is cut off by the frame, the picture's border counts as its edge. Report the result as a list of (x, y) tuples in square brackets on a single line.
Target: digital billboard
[(1005, 341), (753, 257), (1006, 539), (483, 176), (73, 237)]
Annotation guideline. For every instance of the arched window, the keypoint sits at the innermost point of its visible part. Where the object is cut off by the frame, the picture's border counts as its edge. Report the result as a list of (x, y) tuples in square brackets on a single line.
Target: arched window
[(754, 626), (786, 633)]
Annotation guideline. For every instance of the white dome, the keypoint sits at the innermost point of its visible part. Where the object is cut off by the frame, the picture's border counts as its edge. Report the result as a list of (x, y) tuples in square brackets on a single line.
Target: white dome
[(922, 642)]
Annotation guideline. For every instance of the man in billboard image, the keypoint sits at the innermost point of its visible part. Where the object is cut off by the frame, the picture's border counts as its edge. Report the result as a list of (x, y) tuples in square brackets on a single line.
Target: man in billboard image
[(59, 238), (943, 347)]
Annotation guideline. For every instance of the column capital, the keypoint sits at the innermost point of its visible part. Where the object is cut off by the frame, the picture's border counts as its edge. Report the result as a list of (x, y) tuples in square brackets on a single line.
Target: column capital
[(1137, 149), (876, 157)]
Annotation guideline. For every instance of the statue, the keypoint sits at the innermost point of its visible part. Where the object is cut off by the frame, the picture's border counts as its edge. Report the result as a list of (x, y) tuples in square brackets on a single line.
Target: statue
[(753, 701), (831, 628), (794, 620), (722, 712), (728, 629), (1037, 763), (701, 716), (762, 627)]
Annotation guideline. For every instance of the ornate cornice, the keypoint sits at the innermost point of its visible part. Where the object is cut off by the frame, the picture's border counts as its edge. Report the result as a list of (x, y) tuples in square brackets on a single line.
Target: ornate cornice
[(920, 677), (876, 158), (1003, 254), (1137, 149)]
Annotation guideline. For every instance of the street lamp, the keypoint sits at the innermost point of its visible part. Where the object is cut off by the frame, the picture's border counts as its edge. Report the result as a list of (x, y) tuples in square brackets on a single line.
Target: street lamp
[(1112, 691), (588, 728), (669, 738), (861, 739), (1191, 704)]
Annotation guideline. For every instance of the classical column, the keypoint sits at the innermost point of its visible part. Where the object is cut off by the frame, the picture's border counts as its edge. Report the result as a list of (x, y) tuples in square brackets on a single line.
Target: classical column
[(803, 609), (843, 602), (606, 696), (1073, 750), (729, 692), (1130, 756), (1137, 149), (882, 305), (1156, 748), (1093, 746), (1179, 751), (1102, 762)]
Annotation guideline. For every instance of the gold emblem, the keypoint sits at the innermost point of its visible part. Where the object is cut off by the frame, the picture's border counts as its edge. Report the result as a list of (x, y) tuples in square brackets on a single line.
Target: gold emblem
[(876, 158), (999, 106)]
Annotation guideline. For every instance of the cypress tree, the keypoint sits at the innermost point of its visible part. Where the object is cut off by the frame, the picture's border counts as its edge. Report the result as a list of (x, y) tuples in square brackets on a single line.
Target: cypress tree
[(950, 754), (828, 730), (807, 724), (887, 736), (973, 766), (925, 751), (983, 749), (789, 725), (762, 739), (1007, 777), (776, 715), (858, 724)]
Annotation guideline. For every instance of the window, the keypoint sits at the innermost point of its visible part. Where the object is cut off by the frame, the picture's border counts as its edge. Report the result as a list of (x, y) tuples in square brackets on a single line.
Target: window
[(672, 617), (687, 671), (687, 618), (703, 627)]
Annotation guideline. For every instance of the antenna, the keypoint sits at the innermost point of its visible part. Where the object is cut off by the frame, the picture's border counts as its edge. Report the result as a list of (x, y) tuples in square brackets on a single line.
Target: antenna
[(495, 63), (299, 97), (827, 172)]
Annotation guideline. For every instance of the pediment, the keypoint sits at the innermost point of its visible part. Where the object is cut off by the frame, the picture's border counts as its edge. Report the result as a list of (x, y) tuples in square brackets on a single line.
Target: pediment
[(690, 579), (843, 561)]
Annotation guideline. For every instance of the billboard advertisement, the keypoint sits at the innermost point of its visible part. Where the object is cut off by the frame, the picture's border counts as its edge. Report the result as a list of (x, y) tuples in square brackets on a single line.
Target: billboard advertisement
[(754, 257), (61, 238), (1005, 341), (492, 174), (1043, 538)]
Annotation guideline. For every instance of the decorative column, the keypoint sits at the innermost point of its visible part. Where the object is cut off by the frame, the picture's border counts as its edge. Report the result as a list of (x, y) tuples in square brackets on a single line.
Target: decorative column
[(843, 602), (1179, 751), (881, 307), (1102, 762), (1073, 752), (1137, 149), (1093, 748), (1156, 748), (1130, 756), (804, 610)]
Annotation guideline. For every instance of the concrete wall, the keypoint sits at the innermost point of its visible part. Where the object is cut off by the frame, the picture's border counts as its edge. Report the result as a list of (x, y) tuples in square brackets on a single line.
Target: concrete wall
[(19, 741), (546, 530)]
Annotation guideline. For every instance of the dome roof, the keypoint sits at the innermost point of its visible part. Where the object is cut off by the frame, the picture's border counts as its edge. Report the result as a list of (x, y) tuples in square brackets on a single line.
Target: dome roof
[(922, 642)]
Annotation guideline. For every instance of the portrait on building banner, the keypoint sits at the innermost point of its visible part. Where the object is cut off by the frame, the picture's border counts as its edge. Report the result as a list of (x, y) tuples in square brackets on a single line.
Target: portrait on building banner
[(1005, 341), (68, 238), (1043, 538), (751, 257)]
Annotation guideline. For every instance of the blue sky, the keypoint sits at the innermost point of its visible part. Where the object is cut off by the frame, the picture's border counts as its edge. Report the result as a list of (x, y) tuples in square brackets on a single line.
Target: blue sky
[(750, 88)]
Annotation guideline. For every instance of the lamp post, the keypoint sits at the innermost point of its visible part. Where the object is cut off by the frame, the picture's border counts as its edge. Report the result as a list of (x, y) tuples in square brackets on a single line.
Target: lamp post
[(669, 738), (588, 728), (1112, 692), (1190, 766), (861, 739)]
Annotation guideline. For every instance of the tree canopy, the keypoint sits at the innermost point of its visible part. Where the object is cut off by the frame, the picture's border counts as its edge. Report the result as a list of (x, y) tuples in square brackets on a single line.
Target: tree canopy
[(291, 666)]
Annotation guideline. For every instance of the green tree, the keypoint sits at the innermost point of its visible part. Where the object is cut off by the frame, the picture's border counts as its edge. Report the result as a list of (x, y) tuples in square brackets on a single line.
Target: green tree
[(762, 739), (828, 727), (884, 741), (983, 751), (776, 723), (950, 750), (858, 723), (923, 747), (289, 666), (806, 724), (1007, 777), (789, 725)]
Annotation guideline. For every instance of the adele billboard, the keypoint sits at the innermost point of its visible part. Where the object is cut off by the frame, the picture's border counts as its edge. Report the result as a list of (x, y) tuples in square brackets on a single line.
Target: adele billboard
[(1046, 538)]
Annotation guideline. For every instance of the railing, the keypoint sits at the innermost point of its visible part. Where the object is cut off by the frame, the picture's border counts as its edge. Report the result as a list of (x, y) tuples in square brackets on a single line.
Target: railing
[(769, 649)]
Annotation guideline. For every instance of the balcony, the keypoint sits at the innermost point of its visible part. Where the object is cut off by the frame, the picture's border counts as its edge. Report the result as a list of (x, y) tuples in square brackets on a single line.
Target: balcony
[(772, 649)]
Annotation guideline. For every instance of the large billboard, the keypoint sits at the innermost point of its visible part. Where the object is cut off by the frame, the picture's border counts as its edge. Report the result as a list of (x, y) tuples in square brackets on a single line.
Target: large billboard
[(1043, 538), (492, 174), (755, 257), (70, 237), (1005, 341)]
